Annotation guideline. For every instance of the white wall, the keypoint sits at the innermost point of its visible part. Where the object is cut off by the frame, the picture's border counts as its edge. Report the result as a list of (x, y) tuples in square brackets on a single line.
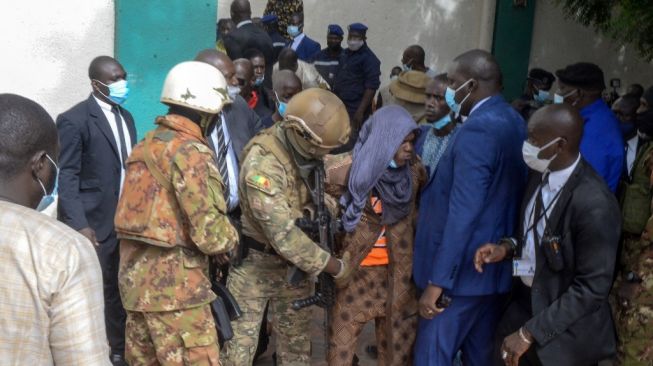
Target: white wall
[(436, 25), (47, 47), (558, 42)]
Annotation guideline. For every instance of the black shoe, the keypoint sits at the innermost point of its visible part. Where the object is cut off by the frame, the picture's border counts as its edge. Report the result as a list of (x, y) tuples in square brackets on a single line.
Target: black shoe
[(118, 360), (372, 351)]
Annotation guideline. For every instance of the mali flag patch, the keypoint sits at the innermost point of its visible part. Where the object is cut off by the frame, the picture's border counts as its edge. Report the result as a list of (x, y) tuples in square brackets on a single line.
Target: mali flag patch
[(260, 182)]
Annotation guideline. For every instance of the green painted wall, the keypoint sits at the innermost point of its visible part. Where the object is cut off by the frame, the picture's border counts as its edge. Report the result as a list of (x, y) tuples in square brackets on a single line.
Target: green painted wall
[(151, 37), (513, 31)]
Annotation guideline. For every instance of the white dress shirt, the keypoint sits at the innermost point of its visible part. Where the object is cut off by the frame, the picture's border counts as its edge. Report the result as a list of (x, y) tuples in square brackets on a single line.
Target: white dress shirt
[(106, 109), (248, 21), (232, 163), (297, 40), (550, 190), (631, 152)]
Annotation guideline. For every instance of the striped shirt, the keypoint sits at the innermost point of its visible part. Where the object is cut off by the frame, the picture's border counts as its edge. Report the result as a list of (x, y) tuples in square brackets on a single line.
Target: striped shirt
[(51, 300)]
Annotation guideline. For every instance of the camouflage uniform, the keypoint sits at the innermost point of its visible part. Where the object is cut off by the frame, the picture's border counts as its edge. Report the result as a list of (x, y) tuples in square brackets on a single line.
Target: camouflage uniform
[(632, 294), (170, 218), (272, 197)]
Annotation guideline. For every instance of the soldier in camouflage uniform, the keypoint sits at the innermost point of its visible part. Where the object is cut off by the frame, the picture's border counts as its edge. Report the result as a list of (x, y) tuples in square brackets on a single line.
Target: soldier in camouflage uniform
[(273, 195), (171, 217)]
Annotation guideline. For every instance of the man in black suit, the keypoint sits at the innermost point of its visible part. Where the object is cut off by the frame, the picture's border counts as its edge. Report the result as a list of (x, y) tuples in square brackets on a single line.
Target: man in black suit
[(564, 255), (246, 36), (96, 137)]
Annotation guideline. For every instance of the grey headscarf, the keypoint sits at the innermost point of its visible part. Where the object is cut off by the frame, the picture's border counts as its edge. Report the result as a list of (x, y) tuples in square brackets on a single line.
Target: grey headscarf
[(378, 141)]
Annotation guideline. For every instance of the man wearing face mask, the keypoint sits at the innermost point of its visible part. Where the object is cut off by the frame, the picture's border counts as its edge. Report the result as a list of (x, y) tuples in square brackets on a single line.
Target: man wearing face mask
[(536, 93), (96, 137), (51, 290), (286, 85), (263, 93), (563, 254), (171, 217), (473, 198), (434, 137), (580, 85), (247, 82), (327, 61), (304, 46), (358, 79)]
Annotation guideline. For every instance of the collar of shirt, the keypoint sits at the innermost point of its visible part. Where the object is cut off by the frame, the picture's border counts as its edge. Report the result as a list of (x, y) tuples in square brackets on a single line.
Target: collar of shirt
[(558, 178), (104, 105), (248, 21), (297, 40), (477, 105)]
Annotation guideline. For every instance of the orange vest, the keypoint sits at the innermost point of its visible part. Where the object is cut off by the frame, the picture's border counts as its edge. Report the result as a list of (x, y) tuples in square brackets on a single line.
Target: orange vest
[(148, 210), (378, 256)]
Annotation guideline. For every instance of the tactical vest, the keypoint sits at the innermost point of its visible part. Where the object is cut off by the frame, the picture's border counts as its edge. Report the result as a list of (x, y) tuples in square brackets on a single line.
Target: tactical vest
[(636, 207), (296, 191), (148, 210)]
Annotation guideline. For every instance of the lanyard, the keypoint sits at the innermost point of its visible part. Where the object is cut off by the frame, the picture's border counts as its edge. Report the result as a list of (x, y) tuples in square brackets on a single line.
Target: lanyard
[(533, 222)]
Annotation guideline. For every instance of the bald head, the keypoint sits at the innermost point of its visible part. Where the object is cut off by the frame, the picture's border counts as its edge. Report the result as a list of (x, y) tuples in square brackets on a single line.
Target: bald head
[(480, 65), (474, 75), (245, 76), (240, 10), (221, 62), (288, 60), (286, 84), (557, 121)]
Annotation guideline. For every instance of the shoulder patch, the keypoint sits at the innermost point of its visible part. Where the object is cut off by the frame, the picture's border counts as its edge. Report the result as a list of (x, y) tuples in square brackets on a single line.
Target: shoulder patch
[(261, 183)]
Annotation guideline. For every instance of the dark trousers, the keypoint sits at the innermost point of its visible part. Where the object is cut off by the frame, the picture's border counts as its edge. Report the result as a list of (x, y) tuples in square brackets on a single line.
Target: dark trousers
[(468, 324), (114, 314)]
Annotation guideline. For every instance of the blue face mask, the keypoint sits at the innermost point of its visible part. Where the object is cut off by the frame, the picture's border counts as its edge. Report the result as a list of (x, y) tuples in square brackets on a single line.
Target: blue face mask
[(393, 164), (541, 96), (48, 199), (293, 30), (442, 122), (118, 91), (559, 99), (259, 81), (406, 67), (281, 106), (450, 98)]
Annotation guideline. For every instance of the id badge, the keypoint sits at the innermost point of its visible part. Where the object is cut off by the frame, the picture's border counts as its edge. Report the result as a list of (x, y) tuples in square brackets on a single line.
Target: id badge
[(522, 267)]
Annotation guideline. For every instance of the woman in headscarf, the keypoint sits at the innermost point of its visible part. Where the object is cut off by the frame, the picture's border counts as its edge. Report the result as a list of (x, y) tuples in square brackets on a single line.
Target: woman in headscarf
[(378, 184)]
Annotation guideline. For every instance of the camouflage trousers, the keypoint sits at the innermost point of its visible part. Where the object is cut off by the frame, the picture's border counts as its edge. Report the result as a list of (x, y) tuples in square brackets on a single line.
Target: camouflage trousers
[(262, 278), (633, 304), (171, 338)]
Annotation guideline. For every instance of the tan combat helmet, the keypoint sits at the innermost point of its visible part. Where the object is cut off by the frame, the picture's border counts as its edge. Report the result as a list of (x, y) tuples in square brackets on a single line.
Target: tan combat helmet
[(198, 86), (318, 121)]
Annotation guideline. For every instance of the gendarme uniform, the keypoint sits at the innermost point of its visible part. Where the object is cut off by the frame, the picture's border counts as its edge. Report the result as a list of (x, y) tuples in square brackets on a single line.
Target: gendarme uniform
[(273, 195), (171, 217)]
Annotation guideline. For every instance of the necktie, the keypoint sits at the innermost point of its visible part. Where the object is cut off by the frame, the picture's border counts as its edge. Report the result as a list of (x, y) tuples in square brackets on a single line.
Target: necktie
[(121, 135), (221, 155), (539, 206)]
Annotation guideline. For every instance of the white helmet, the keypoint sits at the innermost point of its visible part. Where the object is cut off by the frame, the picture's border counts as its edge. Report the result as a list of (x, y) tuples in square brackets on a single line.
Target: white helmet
[(196, 85)]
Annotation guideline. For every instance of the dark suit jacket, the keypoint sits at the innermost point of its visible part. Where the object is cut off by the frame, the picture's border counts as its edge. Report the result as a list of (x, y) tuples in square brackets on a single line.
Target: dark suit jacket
[(307, 49), (472, 199), (250, 36), (242, 122), (572, 322), (89, 178)]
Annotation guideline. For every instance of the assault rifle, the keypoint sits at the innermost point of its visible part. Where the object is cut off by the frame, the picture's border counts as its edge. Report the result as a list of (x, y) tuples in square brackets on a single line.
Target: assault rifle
[(322, 228)]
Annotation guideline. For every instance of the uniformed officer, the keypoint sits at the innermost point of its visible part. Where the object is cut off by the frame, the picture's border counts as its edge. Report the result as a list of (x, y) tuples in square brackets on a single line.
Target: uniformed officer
[(171, 217), (273, 195), (358, 79), (327, 61)]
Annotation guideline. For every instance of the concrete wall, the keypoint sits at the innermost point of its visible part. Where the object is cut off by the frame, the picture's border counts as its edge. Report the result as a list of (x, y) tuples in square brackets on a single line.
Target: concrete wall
[(445, 28), (48, 45), (558, 42)]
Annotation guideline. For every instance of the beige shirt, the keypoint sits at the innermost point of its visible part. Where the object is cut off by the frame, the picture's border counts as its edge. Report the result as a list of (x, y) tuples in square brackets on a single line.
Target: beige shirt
[(51, 301), (308, 75)]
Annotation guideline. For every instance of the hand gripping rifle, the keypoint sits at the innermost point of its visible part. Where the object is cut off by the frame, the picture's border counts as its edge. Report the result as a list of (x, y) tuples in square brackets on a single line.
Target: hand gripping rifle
[(322, 228)]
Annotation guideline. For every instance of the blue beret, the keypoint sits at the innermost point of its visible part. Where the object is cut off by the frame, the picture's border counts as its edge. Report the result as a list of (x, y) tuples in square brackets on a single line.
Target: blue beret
[(358, 27), (270, 18), (335, 29)]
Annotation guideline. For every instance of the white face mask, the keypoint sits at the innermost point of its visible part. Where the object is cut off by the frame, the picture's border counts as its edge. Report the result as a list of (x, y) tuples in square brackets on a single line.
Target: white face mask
[(233, 91), (355, 45), (530, 153)]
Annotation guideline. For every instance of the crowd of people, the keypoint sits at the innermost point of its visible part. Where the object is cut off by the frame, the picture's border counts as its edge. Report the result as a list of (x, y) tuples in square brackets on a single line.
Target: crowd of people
[(471, 230)]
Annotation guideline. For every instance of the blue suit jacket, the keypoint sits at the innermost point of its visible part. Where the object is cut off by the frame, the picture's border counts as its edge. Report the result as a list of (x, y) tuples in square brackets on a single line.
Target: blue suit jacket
[(307, 49), (472, 199)]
